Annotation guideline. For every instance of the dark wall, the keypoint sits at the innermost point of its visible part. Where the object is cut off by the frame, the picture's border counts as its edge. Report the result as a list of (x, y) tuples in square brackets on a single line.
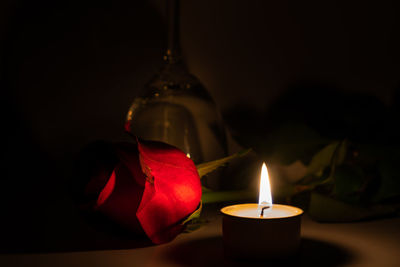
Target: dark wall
[(70, 70), (252, 51)]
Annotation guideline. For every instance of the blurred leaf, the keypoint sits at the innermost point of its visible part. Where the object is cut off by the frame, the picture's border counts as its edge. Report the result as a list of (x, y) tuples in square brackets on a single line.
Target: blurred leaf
[(194, 215), (390, 180), (207, 167), (325, 209), (211, 197), (333, 153), (294, 141), (194, 222), (330, 156), (348, 183), (293, 172), (205, 189)]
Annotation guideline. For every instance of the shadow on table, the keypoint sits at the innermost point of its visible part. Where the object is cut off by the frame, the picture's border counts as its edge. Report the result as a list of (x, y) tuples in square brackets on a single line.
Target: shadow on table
[(78, 245), (95, 234), (210, 252)]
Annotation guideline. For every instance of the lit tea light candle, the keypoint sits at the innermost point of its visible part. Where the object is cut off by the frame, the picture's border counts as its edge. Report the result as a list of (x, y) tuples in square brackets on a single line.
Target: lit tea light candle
[(263, 230)]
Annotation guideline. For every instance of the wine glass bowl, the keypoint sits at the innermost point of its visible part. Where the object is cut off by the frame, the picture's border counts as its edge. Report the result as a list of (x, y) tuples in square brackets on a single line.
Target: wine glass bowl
[(175, 108)]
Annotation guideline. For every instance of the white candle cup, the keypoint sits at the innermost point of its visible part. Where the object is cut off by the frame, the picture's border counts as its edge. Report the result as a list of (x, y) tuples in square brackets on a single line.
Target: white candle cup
[(247, 235)]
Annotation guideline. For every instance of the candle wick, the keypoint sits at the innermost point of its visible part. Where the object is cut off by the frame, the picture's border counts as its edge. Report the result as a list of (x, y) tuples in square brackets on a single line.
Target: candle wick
[(262, 210)]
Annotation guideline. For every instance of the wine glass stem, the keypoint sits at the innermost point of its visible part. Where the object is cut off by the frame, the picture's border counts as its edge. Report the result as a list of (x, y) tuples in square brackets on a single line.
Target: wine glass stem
[(173, 17)]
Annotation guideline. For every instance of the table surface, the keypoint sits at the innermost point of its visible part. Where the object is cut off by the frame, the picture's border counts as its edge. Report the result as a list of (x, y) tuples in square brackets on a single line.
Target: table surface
[(369, 243)]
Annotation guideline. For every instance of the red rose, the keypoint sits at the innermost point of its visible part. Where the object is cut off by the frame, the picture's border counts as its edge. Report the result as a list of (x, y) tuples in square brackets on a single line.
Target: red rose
[(153, 187)]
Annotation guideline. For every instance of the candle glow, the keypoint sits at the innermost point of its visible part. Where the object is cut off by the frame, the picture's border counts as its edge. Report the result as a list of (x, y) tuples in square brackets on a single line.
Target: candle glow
[(261, 230), (265, 198)]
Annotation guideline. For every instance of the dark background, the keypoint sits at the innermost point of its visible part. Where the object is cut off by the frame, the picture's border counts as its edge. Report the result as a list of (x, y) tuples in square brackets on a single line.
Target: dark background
[(69, 71)]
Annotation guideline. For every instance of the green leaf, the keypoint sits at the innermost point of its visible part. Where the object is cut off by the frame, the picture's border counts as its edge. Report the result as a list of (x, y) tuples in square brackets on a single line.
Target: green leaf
[(207, 167), (333, 153), (194, 215), (205, 189), (211, 197), (349, 181), (285, 147), (326, 209), (194, 222), (390, 180)]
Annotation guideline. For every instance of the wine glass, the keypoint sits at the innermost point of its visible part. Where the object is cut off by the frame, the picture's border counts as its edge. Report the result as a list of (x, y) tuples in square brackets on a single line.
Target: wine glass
[(175, 108)]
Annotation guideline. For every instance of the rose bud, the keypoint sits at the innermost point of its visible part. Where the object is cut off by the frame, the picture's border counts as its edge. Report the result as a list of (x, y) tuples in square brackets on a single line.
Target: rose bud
[(148, 187)]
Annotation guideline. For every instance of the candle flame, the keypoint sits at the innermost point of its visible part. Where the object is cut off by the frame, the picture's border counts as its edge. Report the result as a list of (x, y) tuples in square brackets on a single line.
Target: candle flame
[(265, 198)]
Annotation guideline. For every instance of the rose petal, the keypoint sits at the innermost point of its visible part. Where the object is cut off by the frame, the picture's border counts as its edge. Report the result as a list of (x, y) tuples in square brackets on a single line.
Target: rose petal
[(122, 202), (150, 191), (107, 190), (128, 154), (95, 164), (172, 191)]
